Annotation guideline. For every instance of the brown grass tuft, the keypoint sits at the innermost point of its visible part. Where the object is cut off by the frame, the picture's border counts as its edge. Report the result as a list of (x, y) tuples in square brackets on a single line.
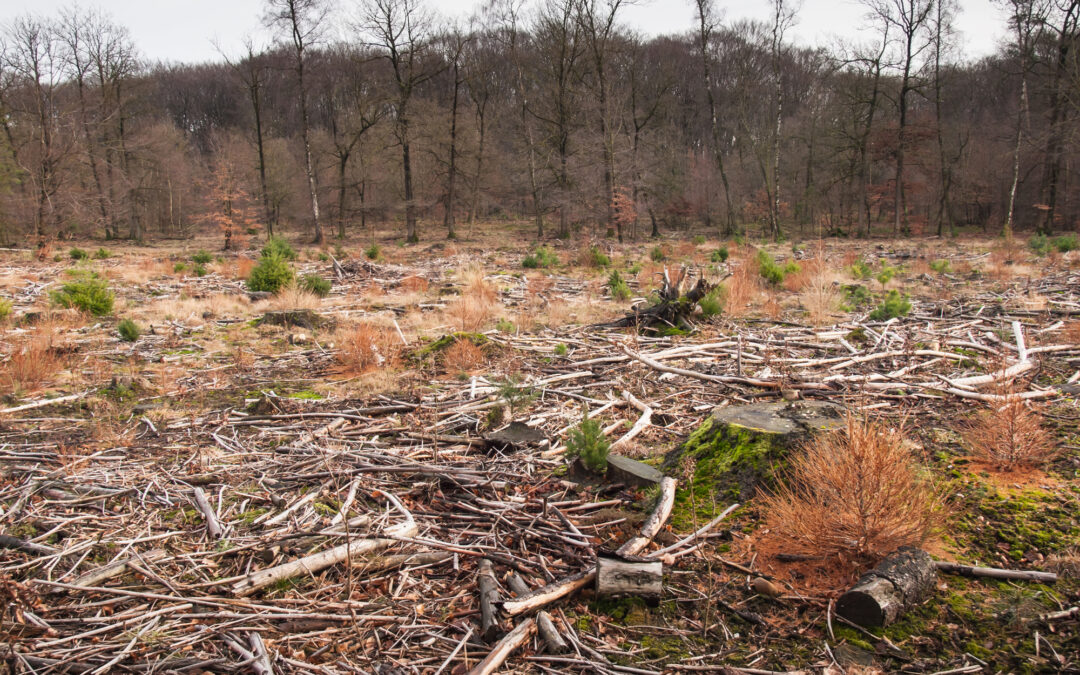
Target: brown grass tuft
[(855, 492), (368, 347), (1010, 436), (31, 364), (478, 302), (244, 265), (292, 297)]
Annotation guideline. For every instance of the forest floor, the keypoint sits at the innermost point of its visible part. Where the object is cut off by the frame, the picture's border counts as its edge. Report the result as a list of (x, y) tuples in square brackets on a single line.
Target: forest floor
[(365, 419)]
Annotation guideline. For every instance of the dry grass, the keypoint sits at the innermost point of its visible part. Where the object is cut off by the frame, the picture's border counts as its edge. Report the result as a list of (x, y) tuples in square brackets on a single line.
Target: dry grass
[(463, 357), (195, 310), (367, 347), (292, 298), (478, 303), (855, 492), (741, 288), (1010, 436), (32, 363), (821, 298), (413, 284), (1070, 332)]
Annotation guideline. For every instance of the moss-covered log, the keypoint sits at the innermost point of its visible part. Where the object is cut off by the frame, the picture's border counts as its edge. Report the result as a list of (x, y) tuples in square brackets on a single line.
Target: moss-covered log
[(739, 449)]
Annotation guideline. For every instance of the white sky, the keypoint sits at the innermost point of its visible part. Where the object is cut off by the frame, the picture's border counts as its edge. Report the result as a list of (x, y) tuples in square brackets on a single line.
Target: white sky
[(186, 30)]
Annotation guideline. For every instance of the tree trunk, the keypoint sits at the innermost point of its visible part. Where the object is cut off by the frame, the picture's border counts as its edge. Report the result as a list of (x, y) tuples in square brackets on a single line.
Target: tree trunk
[(451, 181), (897, 584)]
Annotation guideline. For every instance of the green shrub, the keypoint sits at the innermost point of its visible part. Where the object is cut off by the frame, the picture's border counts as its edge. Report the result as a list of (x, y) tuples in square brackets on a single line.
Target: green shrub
[(203, 257), (618, 287), (543, 257), (505, 326), (102, 253), (698, 239), (373, 252), (324, 256), (857, 295), (6, 308), (78, 254), (199, 270), (278, 246), (1066, 243), (860, 270), (892, 307), (768, 269), (587, 443), (88, 295), (339, 252), (720, 255), (129, 332), (885, 275), (1039, 244), (270, 275), (316, 285), (713, 302), (656, 254), (941, 266), (597, 258), (560, 349), (179, 267)]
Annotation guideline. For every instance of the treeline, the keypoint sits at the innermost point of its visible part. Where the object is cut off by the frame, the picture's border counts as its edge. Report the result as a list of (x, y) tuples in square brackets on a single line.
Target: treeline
[(553, 112)]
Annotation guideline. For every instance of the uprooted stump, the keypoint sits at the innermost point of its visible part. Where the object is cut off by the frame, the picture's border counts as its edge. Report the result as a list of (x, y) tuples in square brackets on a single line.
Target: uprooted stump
[(673, 308), (740, 448), (899, 583), (298, 318)]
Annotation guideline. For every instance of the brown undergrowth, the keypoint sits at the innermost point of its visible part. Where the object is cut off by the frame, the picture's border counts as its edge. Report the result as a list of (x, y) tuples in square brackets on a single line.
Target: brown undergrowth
[(856, 493)]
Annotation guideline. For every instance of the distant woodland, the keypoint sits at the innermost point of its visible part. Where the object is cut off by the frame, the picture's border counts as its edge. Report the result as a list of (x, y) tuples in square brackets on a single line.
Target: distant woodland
[(379, 114)]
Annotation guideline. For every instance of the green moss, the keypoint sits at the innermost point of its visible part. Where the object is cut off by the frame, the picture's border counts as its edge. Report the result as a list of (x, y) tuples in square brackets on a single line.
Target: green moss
[(626, 611), (730, 461), (306, 395), (664, 647), (447, 340)]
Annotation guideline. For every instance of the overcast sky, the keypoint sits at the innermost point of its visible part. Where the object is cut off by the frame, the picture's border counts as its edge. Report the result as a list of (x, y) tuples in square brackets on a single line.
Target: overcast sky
[(187, 30)]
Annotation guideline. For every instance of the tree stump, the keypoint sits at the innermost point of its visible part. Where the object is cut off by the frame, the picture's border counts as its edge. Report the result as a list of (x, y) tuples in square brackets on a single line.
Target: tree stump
[(900, 582), (739, 448), (629, 577)]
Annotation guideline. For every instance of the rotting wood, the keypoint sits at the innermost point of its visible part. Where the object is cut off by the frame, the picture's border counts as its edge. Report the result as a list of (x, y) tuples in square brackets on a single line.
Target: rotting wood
[(898, 583)]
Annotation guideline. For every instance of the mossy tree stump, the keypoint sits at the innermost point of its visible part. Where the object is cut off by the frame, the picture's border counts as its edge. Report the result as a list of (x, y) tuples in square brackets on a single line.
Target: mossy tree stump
[(739, 449)]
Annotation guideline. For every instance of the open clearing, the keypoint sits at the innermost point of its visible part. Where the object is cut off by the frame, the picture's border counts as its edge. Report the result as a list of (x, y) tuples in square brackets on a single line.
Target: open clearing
[(143, 508)]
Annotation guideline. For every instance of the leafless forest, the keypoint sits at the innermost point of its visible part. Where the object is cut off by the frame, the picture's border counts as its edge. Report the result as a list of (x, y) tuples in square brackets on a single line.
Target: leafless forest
[(528, 344), (377, 113)]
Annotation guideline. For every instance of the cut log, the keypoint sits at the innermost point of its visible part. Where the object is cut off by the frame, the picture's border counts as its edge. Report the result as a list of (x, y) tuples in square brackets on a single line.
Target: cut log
[(654, 522), (489, 597), (899, 583), (617, 577)]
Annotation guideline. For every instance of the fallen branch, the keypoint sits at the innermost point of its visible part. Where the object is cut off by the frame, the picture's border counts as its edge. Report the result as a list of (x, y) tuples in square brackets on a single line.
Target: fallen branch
[(995, 573), (514, 639)]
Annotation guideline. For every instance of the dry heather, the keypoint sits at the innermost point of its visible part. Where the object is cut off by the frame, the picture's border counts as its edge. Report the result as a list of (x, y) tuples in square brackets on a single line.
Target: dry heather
[(854, 492), (1010, 436), (366, 347)]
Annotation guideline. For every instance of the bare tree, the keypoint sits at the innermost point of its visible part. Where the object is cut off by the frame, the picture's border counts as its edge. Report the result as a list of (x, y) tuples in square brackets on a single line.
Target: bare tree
[(399, 30), (910, 19), (707, 23), (783, 17), (1064, 28), (252, 71), (302, 21), (597, 18), (1026, 18)]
